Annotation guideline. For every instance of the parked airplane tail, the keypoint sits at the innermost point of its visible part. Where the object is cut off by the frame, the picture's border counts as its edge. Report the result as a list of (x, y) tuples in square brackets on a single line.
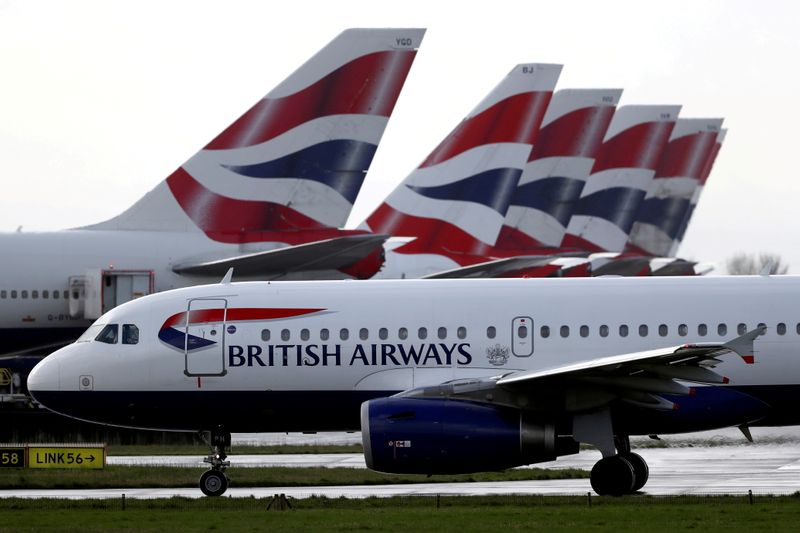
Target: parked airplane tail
[(661, 213), (712, 157), (454, 203), (295, 160), (560, 161), (623, 169)]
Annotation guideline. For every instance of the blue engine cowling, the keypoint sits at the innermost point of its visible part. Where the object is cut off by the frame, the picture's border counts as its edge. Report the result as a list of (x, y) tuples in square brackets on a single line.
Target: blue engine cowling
[(439, 436)]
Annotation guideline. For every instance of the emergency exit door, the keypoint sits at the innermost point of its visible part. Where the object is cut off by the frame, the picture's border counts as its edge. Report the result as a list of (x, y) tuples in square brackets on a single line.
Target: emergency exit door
[(204, 337), (522, 336)]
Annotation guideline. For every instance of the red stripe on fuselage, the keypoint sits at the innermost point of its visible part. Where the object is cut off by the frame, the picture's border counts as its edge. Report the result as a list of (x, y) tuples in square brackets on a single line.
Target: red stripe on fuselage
[(202, 316)]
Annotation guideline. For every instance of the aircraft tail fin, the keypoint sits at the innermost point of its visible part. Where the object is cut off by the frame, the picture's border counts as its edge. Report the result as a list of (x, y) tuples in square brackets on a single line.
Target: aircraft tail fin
[(454, 203), (622, 171), (678, 175), (298, 157)]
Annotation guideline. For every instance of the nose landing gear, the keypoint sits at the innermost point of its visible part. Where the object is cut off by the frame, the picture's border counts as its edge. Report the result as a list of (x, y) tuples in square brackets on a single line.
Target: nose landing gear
[(214, 481)]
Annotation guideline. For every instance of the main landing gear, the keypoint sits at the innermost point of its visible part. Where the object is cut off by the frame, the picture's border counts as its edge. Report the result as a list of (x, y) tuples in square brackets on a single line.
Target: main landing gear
[(620, 471), (214, 482), (623, 473)]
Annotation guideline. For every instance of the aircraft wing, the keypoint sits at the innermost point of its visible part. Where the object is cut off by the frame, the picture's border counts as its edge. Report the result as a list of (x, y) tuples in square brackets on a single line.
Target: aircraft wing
[(639, 377), (327, 254), (499, 267)]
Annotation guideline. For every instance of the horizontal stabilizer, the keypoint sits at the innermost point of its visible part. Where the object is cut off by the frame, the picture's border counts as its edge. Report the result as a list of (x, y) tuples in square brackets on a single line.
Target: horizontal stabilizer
[(328, 254)]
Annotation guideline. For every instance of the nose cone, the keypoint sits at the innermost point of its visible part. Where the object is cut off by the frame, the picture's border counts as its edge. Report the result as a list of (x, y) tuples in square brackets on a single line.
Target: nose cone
[(46, 376)]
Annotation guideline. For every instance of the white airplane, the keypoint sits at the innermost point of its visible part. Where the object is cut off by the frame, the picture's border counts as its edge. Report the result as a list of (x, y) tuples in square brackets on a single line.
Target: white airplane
[(443, 376), (268, 195)]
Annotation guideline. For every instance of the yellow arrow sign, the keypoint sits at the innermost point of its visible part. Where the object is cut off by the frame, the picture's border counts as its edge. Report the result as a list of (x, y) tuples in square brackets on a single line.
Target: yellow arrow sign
[(67, 457)]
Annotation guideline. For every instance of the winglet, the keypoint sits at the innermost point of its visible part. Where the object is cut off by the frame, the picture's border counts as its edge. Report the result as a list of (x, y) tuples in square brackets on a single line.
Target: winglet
[(766, 269), (228, 276), (744, 345)]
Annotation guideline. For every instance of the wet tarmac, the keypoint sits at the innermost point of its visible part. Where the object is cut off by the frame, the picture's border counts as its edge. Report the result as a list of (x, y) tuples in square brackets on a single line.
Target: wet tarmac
[(734, 469)]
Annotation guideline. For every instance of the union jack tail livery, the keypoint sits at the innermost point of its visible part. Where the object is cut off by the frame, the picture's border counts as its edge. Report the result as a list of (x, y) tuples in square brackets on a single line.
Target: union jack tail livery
[(712, 157), (666, 204), (454, 203), (296, 160), (622, 172), (560, 161)]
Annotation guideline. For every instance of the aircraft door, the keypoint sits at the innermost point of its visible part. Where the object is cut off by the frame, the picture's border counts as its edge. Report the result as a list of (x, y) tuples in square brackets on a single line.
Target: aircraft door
[(522, 336), (204, 328)]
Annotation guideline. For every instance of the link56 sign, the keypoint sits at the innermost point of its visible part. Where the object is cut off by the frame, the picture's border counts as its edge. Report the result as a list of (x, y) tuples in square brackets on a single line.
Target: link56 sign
[(72, 457)]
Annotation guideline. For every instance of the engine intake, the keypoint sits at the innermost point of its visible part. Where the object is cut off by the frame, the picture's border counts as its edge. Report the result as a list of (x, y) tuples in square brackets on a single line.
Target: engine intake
[(440, 436)]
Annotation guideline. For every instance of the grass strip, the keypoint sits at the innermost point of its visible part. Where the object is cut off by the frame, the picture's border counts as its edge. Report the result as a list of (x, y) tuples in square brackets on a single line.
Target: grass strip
[(445, 514), (166, 477)]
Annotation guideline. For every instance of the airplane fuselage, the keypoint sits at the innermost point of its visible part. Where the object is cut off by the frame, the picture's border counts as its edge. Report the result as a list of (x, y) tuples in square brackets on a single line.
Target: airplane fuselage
[(302, 356)]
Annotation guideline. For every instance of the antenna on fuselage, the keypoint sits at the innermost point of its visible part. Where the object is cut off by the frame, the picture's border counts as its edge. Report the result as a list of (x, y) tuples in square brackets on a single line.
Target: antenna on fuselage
[(228, 276)]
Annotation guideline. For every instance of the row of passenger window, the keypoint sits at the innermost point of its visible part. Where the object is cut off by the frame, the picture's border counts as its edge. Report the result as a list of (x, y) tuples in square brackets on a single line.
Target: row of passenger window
[(363, 334), (604, 330), (33, 294), (663, 330)]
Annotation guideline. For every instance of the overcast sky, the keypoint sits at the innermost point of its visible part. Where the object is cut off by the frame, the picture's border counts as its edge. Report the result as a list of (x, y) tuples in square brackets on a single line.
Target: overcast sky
[(99, 100)]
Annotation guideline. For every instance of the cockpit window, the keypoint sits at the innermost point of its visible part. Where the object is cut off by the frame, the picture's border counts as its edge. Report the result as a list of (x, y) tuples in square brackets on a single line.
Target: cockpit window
[(109, 334), (130, 334), (91, 333)]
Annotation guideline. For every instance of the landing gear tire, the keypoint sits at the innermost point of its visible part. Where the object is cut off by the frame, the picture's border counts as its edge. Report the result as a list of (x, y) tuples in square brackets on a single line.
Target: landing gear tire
[(641, 471), (613, 476), (213, 483)]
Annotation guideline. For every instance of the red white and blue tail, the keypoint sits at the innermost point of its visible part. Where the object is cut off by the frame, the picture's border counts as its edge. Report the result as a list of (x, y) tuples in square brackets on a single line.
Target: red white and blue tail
[(679, 172), (297, 159), (454, 203), (712, 157), (560, 161), (622, 172)]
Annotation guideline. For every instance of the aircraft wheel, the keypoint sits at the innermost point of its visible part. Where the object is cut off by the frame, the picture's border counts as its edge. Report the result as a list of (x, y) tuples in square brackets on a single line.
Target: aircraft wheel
[(613, 476), (641, 471), (213, 483)]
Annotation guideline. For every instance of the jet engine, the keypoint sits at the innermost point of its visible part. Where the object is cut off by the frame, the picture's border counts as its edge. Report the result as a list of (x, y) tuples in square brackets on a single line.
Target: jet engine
[(441, 436)]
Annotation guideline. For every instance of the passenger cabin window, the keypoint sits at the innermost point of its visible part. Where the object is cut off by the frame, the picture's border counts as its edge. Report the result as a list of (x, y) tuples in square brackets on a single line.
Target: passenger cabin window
[(544, 332), (66, 295), (441, 333), (324, 334), (565, 331), (108, 334), (798, 328), (265, 335), (603, 331), (55, 295), (3, 294), (683, 330), (363, 334), (663, 330), (522, 332), (13, 294), (130, 334), (35, 294), (722, 329), (402, 333), (761, 325), (344, 334), (781, 329), (285, 335), (24, 294), (461, 332), (702, 330), (741, 329), (45, 294), (383, 334), (584, 331), (304, 334), (422, 333), (491, 332), (623, 330), (643, 330)]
